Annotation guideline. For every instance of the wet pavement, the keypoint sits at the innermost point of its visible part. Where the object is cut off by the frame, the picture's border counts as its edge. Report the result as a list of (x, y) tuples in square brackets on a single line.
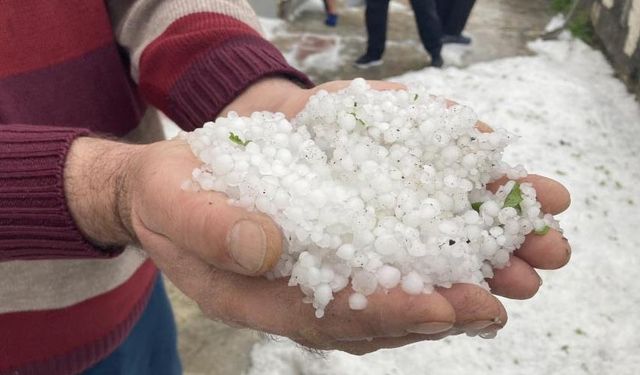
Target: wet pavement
[(498, 28)]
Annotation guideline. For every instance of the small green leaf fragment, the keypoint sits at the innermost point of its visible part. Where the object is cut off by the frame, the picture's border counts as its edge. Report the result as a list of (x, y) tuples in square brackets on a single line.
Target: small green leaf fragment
[(237, 140), (542, 231), (476, 206), (415, 97), (358, 119), (514, 198)]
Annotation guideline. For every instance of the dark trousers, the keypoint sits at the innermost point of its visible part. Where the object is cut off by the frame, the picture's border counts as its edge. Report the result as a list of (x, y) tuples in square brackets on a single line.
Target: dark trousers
[(454, 15), (426, 14)]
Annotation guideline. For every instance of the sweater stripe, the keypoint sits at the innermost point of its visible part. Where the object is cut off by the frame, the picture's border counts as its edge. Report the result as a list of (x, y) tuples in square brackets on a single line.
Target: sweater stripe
[(29, 341), (57, 31), (167, 57), (89, 91), (158, 15), (248, 59)]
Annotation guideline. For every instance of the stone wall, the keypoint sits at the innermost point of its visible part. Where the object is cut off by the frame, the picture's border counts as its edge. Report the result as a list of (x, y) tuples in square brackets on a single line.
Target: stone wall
[(617, 26)]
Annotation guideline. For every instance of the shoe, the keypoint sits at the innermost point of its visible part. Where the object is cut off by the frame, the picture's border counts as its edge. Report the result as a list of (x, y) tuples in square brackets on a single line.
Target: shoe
[(455, 39), (331, 20), (437, 61), (366, 61)]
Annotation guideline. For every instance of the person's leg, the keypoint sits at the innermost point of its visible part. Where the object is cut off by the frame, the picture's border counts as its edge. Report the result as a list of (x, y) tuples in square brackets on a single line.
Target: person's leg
[(376, 19), (332, 13), (151, 347), (458, 16), (330, 6), (429, 27), (444, 9)]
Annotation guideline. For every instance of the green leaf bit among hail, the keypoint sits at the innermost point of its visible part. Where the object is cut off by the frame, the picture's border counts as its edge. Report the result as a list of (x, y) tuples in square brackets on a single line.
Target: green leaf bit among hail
[(237, 140), (514, 198)]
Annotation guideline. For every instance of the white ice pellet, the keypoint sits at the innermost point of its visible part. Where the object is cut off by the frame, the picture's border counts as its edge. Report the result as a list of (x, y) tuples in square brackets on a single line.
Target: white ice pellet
[(357, 301), (345, 251), (412, 283), (372, 190), (386, 245), (388, 276)]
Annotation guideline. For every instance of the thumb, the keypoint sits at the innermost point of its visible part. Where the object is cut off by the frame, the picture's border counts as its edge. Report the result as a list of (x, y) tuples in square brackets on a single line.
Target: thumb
[(201, 223)]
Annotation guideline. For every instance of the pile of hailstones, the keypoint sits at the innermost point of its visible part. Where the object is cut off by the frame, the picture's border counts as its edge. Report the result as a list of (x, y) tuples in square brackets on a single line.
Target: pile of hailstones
[(379, 189)]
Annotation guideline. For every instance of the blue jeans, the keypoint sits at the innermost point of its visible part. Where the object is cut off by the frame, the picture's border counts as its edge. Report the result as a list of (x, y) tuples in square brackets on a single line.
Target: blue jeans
[(151, 347)]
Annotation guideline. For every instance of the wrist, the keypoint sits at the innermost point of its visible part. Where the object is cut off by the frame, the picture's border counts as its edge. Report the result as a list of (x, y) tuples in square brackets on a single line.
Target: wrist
[(272, 94), (95, 183)]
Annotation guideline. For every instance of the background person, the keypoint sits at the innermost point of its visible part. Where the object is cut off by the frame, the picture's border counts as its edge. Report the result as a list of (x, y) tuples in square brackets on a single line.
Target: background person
[(429, 29), (453, 16), (331, 8)]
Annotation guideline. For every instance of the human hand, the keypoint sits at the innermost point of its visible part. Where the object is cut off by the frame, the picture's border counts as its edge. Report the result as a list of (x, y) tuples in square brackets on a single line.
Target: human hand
[(519, 280), (137, 198)]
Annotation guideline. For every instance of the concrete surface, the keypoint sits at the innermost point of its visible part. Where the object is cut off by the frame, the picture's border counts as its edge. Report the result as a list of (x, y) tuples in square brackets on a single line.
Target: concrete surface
[(499, 28)]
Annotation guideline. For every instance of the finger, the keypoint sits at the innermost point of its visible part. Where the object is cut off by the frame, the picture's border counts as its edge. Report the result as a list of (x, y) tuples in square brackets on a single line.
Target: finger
[(198, 280), (518, 280), (376, 85), (386, 85), (203, 223), (274, 307), (363, 347), (483, 127), (552, 195), (388, 313), (548, 252), (187, 272), (475, 308)]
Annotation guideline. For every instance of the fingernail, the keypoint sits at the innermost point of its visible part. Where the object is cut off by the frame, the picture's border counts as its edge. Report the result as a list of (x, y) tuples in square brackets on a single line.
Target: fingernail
[(430, 328), (248, 245), (478, 325)]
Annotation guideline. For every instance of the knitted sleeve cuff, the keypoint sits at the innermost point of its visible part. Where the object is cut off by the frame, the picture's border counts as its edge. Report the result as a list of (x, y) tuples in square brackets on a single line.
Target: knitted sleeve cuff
[(35, 222), (220, 74)]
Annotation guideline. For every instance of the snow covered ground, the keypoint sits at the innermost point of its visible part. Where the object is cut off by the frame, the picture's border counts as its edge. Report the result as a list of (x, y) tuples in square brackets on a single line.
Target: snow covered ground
[(578, 125)]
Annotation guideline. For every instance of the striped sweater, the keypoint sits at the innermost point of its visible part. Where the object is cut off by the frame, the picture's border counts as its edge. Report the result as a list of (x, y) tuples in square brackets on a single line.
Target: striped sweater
[(70, 68)]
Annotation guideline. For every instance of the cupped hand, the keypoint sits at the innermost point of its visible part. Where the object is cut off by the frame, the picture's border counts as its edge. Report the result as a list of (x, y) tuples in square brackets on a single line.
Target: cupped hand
[(214, 252), (203, 270)]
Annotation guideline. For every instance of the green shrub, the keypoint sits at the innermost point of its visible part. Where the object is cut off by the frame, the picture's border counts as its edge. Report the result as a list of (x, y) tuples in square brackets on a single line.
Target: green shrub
[(580, 27), (561, 5), (580, 23)]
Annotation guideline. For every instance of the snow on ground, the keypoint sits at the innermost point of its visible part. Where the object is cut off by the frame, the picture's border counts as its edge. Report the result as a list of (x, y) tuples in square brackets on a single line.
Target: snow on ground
[(579, 125), (272, 27)]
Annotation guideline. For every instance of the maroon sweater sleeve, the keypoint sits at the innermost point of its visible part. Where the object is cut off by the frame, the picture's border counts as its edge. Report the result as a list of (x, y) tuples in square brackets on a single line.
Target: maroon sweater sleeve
[(203, 61), (34, 220)]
